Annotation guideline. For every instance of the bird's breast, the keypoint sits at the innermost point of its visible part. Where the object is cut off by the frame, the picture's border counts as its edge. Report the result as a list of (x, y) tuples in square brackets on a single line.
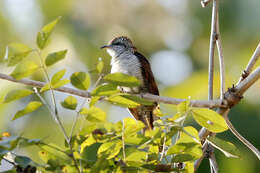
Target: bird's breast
[(127, 64)]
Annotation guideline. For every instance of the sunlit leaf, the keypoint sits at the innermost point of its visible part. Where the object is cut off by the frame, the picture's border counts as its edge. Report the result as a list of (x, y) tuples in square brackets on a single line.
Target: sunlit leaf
[(225, 147), (24, 69), (94, 114), (54, 57), (17, 52), (122, 101), (56, 85), (80, 80), (183, 107), (44, 34), (187, 146), (132, 126), (94, 100), (122, 79), (210, 120), (57, 76), (105, 90), (16, 94), (100, 66), (32, 106), (135, 155), (110, 149), (22, 161), (70, 103)]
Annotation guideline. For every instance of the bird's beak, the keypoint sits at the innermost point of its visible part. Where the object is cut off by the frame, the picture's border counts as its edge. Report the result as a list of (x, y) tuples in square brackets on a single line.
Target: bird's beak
[(106, 46)]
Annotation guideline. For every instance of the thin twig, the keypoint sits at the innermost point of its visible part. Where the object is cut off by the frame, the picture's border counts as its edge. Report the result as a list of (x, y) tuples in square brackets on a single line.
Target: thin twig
[(212, 49), (61, 127), (204, 3), (251, 63), (221, 60), (167, 100), (242, 139)]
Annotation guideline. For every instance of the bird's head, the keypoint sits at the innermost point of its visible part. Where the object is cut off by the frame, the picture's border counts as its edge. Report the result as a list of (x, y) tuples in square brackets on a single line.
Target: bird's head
[(119, 45)]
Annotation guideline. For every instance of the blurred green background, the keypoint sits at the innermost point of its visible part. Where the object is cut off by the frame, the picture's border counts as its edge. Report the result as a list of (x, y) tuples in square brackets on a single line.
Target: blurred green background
[(173, 34)]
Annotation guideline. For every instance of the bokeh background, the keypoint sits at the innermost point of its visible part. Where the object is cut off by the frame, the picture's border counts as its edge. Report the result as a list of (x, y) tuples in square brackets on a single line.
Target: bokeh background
[(173, 34)]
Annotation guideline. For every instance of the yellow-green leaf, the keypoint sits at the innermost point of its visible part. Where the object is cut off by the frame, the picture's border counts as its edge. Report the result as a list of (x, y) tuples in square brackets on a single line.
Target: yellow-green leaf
[(32, 106), (70, 103), (122, 101), (16, 94), (105, 90), (54, 57), (225, 147), (94, 114), (110, 149), (94, 100), (17, 52), (57, 76), (122, 79), (183, 107), (80, 80), (24, 69), (56, 85), (132, 126), (210, 120), (44, 34), (137, 99)]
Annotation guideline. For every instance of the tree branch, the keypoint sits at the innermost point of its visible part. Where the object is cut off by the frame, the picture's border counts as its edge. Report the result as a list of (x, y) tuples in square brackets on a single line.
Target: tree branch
[(204, 3), (167, 100), (251, 63)]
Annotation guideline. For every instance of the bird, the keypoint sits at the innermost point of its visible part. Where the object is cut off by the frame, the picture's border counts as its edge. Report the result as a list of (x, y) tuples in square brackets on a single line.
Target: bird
[(126, 59)]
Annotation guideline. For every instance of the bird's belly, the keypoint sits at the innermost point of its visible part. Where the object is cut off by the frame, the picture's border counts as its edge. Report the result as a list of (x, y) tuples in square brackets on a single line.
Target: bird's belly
[(131, 68)]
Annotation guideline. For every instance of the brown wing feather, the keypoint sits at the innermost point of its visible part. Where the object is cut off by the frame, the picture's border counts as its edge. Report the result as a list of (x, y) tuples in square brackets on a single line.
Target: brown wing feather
[(149, 86)]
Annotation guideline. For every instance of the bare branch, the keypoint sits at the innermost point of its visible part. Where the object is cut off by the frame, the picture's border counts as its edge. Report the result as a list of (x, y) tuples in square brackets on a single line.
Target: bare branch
[(167, 100), (248, 82), (212, 45), (204, 3), (221, 60), (251, 63)]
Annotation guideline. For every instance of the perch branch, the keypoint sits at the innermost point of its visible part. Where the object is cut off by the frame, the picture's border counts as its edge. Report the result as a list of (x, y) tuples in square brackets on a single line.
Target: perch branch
[(167, 100)]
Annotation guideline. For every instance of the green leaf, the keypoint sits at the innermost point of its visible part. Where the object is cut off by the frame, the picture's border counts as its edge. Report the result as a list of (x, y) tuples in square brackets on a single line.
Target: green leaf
[(44, 34), (54, 57), (16, 94), (183, 107), (17, 52), (110, 149), (89, 153), (122, 79), (32, 106), (105, 90), (22, 161), (225, 147), (137, 99), (93, 100), (210, 120), (122, 101), (100, 66), (135, 155), (70, 103), (188, 147), (56, 81), (56, 85), (24, 69), (132, 126), (80, 80), (94, 114), (57, 76)]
